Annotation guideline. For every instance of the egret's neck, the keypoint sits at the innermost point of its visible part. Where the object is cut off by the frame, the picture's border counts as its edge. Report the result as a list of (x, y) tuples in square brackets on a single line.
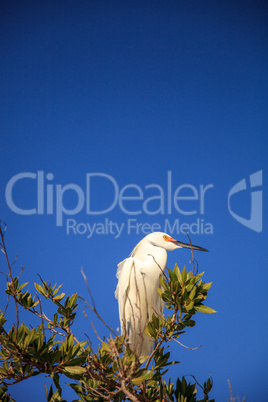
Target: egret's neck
[(147, 251)]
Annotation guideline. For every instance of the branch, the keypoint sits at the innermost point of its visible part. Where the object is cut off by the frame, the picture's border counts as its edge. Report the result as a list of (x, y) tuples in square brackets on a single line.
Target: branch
[(128, 394)]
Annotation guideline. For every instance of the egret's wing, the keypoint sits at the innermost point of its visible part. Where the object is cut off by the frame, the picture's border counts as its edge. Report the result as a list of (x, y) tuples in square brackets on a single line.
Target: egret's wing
[(123, 274), (120, 267), (137, 299)]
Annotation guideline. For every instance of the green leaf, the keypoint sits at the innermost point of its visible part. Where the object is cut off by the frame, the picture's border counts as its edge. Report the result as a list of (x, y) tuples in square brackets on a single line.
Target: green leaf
[(56, 290), (23, 285), (39, 289), (75, 369), (189, 287), (73, 300), (165, 297), (198, 276), (177, 272), (58, 298), (78, 361), (205, 309), (70, 341), (172, 276), (138, 380), (162, 282), (184, 275), (192, 293), (150, 330), (105, 347), (207, 286), (145, 376), (29, 338), (34, 303), (189, 306), (190, 323), (2, 319)]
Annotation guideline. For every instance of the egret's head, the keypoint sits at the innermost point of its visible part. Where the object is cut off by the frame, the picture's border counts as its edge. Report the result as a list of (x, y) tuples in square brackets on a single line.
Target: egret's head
[(167, 242)]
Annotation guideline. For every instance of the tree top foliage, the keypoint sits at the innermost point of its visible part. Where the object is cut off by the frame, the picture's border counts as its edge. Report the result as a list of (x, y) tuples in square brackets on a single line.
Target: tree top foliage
[(112, 373)]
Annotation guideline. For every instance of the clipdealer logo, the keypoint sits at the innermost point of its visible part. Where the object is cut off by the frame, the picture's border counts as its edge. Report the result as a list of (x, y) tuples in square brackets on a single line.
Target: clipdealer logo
[(132, 200), (255, 183)]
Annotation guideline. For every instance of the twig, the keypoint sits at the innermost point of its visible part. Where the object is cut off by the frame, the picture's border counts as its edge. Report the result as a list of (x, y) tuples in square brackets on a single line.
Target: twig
[(187, 347), (4, 313), (22, 269), (15, 259), (154, 352), (233, 398), (205, 393), (97, 314), (89, 341), (93, 307), (138, 346), (118, 358), (96, 333), (196, 272), (193, 259), (89, 292), (3, 247), (162, 270), (191, 375), (84, 312), (42, 319), (164, 338), (4, 273), (231, 391)]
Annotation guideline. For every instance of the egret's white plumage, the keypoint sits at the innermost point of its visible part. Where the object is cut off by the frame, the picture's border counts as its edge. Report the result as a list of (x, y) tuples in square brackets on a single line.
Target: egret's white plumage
[(138, 280)]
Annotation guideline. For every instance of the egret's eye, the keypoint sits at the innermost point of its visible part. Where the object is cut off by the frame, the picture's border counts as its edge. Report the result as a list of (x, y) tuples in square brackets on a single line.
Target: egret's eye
[(165, 237)]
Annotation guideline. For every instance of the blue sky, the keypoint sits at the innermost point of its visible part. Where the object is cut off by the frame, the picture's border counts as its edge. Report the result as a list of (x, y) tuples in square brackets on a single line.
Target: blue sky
[(134, 90)]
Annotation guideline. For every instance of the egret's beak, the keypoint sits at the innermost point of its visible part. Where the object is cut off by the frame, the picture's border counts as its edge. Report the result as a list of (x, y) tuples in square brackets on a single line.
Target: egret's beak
[(186, 245)]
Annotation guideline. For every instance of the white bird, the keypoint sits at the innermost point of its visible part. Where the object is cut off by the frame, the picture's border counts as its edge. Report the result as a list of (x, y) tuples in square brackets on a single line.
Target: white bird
[(138, 280)]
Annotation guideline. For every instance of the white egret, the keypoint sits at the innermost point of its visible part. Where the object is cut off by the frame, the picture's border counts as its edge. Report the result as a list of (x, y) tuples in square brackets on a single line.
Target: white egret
[(138, 280)]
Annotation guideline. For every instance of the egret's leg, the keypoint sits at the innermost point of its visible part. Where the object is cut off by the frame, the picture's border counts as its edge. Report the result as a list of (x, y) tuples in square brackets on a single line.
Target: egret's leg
[(128, 328), (127, 331)]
